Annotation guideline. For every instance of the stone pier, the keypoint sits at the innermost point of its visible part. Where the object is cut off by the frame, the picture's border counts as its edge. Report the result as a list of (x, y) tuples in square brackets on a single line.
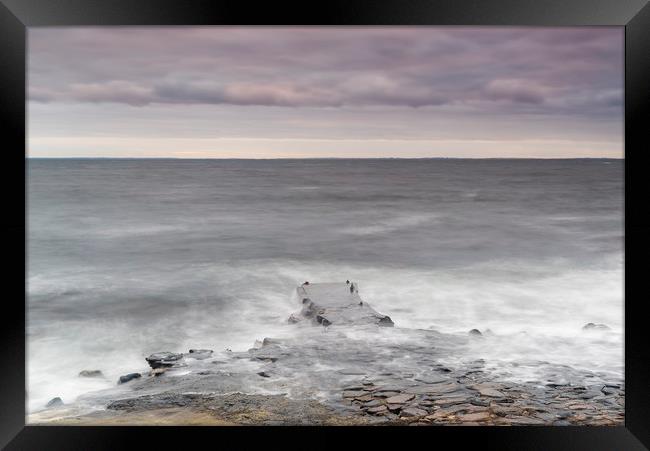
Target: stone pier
[(336, 303)]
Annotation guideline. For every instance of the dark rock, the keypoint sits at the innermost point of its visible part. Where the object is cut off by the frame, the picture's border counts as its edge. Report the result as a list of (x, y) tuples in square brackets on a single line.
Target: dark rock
[(264, 374), (54, 402), (322, 320), (91, 373), (592, 326), (163, 359), (128, 377), (475, 332), (413, 412)]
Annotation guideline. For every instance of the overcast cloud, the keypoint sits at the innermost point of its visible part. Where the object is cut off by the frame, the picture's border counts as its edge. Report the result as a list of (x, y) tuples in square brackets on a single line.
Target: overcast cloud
[(313, 92)]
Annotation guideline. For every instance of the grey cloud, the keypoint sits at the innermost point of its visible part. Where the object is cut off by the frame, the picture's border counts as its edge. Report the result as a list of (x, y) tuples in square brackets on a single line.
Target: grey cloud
[(521, 91), (115, 91), (245, 94), (549, 71)]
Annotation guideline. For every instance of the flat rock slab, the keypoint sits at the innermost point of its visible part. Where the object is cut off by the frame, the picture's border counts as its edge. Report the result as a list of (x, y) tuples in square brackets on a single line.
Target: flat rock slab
[(490, 392), (413, 412), (377, 409), (386, 394), (399, 399)]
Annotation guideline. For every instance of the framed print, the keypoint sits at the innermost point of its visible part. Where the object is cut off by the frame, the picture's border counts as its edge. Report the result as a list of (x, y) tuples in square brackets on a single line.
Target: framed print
[(327, 221)]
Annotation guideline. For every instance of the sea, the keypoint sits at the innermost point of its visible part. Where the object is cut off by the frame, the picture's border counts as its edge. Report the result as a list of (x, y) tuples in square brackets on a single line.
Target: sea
[(126, 257)]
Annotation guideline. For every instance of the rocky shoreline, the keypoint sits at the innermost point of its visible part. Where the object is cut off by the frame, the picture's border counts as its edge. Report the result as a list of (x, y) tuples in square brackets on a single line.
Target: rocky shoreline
[(344, 367)]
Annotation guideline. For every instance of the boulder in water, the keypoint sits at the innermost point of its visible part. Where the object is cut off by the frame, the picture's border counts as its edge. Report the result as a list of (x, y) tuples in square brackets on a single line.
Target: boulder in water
[(475, 332), (128, 377), (54, 402), (164, 359)]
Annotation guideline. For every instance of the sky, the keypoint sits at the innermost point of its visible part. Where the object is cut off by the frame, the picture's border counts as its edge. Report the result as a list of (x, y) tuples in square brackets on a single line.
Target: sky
[(313, 92)]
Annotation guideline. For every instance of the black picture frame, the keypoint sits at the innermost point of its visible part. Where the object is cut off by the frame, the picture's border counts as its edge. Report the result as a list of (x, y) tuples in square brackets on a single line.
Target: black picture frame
[(17, 15)]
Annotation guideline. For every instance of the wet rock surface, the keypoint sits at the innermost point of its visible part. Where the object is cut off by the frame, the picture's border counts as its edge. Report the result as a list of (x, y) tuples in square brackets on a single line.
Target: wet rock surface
[(241, 408), (164, 359), (362, 373), (128, 377), (335, 303)]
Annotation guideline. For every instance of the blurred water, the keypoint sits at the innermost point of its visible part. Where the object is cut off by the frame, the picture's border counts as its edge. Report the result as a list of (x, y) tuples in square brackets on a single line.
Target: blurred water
[(129, 257)]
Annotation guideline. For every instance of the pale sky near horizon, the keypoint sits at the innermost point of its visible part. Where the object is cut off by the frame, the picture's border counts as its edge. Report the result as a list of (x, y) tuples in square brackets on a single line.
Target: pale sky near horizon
[(284, 92)]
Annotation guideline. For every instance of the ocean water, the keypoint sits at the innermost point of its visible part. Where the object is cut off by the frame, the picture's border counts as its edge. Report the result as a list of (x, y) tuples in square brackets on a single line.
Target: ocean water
[(130, 257)]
